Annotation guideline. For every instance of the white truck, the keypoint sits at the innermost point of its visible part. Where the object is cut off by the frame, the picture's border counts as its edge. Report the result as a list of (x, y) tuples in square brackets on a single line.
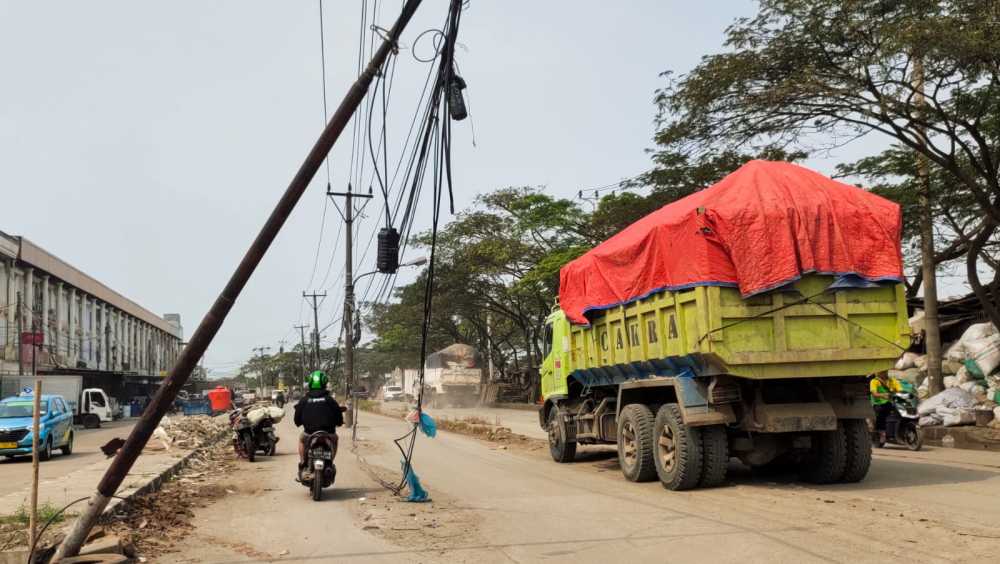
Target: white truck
[(452, 377), (91, 406)]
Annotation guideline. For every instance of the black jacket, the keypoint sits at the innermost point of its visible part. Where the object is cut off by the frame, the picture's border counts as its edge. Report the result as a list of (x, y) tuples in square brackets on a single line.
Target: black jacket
[(318, 411)]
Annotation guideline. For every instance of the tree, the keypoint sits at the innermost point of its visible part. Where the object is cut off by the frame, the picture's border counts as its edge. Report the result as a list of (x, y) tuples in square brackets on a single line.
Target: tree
[(893, 174), (804, 71)]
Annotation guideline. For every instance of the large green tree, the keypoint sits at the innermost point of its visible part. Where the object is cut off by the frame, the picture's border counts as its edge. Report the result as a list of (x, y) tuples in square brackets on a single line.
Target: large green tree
[(821, 73)]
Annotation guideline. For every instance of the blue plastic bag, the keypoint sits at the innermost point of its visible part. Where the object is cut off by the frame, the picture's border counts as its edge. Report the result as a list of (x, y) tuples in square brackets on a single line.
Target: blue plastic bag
[(417, 493), (427, 425)]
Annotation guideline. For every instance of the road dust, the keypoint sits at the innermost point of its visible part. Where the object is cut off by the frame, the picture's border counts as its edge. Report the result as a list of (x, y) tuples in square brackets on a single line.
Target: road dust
[(472, 426)]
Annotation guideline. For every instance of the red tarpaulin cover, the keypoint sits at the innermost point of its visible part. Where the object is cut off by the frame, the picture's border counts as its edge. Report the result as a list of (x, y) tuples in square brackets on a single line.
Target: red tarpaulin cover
[(764, 225)]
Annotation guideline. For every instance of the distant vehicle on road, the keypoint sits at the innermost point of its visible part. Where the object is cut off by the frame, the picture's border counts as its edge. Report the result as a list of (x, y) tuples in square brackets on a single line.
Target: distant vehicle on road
[(55, 426), (89, 406), (393, 393)]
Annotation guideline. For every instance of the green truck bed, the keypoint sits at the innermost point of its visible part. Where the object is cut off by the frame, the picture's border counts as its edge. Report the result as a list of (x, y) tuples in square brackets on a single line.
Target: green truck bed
[(801, 331)]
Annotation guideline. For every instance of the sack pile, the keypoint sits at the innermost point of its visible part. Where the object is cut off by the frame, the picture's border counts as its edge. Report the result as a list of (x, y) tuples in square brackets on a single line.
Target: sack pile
[(971, 368)]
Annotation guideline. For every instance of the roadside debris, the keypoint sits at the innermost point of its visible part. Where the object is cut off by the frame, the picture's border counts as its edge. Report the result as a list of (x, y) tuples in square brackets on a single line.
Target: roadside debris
[(190, 432), (971, 368)]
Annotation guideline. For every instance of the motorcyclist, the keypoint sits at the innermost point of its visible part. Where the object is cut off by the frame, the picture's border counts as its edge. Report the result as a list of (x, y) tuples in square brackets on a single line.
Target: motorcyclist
[(316, 411), (882, 387)]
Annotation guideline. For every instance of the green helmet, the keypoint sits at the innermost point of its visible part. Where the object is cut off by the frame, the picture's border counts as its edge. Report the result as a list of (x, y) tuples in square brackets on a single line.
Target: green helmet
[(317, 380)]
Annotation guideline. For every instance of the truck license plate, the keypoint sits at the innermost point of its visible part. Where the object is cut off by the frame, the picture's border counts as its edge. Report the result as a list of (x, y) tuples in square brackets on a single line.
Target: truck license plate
[(8, 445)]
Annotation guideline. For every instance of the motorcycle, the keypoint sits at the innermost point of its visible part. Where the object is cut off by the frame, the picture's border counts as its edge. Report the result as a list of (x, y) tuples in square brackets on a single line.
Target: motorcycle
[(901, 424), (319, 471), (253, 430)]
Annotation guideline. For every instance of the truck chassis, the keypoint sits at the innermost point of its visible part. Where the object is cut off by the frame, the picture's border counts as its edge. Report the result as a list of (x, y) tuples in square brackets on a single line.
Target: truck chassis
[(683, 430)]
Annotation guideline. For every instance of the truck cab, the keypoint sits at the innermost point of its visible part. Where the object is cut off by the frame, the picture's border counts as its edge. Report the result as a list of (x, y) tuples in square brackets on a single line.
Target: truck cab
[(96, 407)]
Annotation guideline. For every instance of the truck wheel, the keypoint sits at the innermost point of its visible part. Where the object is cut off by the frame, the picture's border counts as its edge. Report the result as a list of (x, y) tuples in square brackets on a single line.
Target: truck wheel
[(635, 443), (560, 449), (715, 456), (828, 458), (859, 450), (91, 421), (67, 449), (678, 455)]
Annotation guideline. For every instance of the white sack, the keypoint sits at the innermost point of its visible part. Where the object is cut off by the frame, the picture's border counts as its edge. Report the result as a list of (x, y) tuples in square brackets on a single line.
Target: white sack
[(954, 397), (978, 331), (950, 382), (985, 353), (929, 421), (906, 361), (955, 352), (257, 414)]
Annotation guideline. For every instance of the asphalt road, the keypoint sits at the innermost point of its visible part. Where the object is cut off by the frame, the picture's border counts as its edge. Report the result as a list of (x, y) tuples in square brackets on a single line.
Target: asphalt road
[(15, 474), (496, 504)]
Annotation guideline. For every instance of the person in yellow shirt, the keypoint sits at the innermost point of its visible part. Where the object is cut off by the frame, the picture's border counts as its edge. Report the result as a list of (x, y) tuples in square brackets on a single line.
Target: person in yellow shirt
[(882, 387)]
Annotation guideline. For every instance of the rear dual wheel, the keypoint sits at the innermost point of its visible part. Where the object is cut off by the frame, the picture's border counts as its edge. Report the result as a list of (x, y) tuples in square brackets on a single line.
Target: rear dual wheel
[(677, 449)]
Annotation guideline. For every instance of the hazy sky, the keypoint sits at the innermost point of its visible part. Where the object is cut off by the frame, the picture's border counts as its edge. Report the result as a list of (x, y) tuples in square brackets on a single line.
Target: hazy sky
[(146, 143)]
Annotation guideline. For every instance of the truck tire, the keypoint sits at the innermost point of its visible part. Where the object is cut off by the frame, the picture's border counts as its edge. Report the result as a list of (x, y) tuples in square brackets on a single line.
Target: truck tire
[(91, 421), (635, 443), (827, 460), (678, 455), (714, 456), (859, 450), (562, 451)]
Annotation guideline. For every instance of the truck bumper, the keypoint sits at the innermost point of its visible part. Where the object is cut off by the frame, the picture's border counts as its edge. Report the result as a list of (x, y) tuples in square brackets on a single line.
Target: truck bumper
[(792, 417)]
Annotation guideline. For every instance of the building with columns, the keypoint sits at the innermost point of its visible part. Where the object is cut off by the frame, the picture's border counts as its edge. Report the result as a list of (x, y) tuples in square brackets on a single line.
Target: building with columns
[(88, 327)]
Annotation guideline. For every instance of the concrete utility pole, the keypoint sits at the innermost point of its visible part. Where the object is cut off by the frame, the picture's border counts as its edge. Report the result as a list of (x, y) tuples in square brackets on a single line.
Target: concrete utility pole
[(212, 322), (348, 215), (302, 356), (20, 331), (315, 305), (489, 344), (932, 331), (260, 375)]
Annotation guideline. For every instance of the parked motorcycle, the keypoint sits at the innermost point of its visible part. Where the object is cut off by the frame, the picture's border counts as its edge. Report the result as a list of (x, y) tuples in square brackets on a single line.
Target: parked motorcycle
[(319, 471), (253, 430), (901, 424)]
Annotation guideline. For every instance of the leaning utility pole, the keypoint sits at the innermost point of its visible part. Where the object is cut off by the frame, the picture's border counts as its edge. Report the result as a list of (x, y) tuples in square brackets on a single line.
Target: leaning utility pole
[(348, 216), (213, 320), (932, 331), (315, 305), (302, 356)]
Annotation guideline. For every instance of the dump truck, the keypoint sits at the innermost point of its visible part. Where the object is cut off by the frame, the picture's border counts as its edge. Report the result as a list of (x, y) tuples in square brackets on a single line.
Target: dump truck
[(709, 350), (452, 377)]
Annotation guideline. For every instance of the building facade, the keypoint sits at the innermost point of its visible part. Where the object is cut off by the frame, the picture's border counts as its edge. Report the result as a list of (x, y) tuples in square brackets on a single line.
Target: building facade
[(84, 325)]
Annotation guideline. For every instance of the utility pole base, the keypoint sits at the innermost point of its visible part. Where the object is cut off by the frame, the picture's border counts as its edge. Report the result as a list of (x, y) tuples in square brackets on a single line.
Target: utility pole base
[(81, 527)]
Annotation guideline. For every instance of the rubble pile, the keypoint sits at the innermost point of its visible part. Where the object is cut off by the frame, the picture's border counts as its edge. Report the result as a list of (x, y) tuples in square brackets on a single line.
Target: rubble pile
[(971, 368), (191, 431)]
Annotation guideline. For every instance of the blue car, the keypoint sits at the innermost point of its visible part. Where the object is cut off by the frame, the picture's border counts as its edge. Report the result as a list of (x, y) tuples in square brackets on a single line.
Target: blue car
[(55, 426)]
